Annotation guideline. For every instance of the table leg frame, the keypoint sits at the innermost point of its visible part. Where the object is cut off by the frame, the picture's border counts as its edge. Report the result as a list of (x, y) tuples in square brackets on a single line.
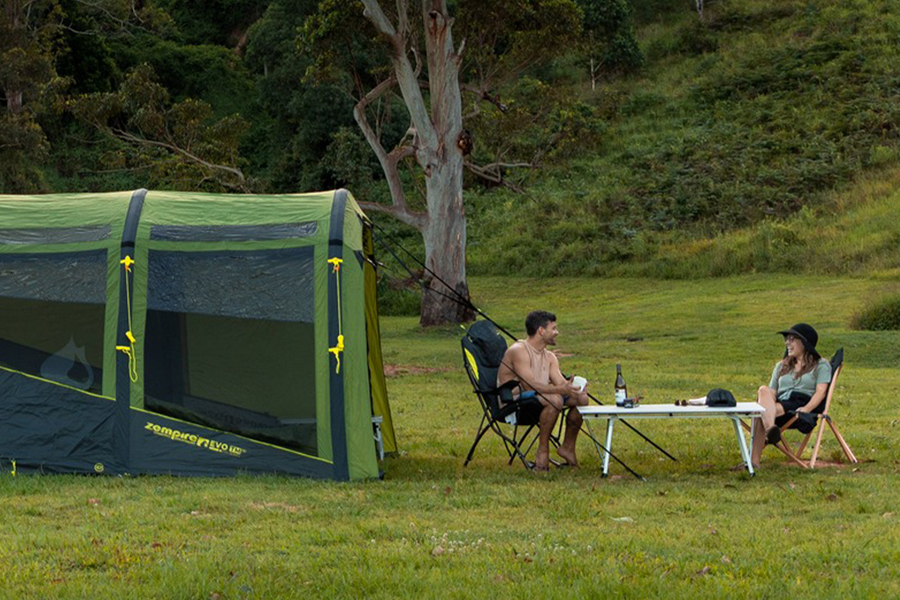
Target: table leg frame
[(609, 434), (745, 453)]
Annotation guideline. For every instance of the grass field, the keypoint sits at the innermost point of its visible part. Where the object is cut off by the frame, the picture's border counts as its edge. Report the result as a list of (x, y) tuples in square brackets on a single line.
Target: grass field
[(434, 529)]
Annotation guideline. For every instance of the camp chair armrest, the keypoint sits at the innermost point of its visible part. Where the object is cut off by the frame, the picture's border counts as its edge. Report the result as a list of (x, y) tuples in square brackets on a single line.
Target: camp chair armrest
[(792, 420), (795, 416), (814, 413), (505, 391)]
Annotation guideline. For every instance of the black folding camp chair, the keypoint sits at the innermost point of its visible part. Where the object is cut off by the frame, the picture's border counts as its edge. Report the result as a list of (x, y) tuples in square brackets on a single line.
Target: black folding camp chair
[(514, 420), (806, 423)]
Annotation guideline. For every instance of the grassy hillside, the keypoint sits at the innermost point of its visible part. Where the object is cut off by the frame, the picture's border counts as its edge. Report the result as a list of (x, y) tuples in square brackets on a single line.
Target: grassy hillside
[(854, 231), (766, 110), (433, 529)]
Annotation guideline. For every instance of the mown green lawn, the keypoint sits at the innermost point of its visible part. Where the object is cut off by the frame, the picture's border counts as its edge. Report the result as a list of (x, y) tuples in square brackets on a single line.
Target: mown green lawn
[(437, 530)]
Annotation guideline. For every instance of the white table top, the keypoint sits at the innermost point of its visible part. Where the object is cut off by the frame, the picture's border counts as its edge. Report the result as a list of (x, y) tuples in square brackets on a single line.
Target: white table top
[(670, 410)]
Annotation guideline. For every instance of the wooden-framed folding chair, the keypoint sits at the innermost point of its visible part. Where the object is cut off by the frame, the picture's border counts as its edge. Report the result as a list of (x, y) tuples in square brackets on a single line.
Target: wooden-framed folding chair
[(806, 423), (514, 420)]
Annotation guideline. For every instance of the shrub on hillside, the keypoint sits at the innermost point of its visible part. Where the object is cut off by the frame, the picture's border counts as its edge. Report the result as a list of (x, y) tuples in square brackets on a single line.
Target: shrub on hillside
[(611, 39), (695, 39), (879, 315)]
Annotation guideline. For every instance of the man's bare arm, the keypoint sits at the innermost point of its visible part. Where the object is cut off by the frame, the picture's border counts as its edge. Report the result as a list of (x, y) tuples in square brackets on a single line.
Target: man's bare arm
[(557, 378)]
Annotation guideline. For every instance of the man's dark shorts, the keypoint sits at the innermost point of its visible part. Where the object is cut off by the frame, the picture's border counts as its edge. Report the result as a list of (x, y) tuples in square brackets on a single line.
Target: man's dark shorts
[(528, 408)]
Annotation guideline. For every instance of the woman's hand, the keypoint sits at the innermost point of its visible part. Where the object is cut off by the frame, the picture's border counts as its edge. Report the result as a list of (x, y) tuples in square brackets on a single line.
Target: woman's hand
[(802, 409)]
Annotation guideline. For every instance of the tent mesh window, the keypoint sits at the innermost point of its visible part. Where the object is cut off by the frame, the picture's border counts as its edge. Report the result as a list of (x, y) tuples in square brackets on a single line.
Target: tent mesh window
[(230, 342), (52, 310)]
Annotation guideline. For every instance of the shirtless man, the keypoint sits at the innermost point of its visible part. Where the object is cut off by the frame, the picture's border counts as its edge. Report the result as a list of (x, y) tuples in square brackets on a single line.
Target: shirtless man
[(537, 369)]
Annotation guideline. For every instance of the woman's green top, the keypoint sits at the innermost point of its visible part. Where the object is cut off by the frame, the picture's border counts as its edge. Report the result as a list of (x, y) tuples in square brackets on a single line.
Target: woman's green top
[(805, 384)]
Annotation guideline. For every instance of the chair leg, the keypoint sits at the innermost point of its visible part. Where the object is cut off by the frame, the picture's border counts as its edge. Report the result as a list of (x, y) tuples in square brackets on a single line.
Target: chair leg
[(515, 446), (786, 450), (815, 453), (534, 439), (512, 446), (844, 446), (478, 437), (803, 444)]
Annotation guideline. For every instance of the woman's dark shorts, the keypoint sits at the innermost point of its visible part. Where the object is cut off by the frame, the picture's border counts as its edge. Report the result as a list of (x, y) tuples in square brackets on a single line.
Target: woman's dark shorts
[(795, 401)]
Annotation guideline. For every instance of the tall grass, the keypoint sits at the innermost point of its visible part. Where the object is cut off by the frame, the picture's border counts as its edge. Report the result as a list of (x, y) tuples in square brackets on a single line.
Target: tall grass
[(852, 232)]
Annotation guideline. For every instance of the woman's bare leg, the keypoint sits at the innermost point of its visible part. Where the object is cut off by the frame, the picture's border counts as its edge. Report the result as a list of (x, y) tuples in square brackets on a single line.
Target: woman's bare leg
[(766, 398)]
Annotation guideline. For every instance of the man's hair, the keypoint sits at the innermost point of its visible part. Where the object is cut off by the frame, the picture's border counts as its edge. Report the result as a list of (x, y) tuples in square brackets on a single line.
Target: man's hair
[(537, 319)]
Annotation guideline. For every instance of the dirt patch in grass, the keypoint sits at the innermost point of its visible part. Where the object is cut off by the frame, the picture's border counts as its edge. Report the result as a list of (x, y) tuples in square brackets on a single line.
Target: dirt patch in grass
[(276, 506), (400, 370)]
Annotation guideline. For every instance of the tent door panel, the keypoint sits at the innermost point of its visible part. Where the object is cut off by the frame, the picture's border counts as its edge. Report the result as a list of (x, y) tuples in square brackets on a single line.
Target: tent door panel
[(229, 342)]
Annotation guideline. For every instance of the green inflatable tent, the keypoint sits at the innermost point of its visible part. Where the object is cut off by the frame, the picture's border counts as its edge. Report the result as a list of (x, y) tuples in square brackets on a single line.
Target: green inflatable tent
[(191, 334)]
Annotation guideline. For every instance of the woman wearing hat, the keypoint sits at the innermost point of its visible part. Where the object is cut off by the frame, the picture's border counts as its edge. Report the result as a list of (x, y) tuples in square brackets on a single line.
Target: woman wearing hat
[(798, 385)]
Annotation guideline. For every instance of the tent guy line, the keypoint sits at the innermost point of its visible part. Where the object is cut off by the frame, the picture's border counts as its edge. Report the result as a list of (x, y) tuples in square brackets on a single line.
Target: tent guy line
[(466, 302)]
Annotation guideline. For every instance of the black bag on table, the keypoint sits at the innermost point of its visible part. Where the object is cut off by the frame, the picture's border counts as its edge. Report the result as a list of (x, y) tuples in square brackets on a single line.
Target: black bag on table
[(720, 398)]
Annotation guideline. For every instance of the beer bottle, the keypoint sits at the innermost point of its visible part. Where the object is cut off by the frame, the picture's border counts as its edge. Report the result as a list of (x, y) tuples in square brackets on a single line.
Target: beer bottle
[(621, 390)]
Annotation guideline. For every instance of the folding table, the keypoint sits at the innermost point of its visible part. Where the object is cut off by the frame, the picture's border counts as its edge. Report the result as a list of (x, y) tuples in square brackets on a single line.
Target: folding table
[(749, 410)]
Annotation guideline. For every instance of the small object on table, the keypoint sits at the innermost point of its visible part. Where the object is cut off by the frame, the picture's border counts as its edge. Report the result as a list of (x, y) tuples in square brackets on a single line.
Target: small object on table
[(631, 402), (691, 402)]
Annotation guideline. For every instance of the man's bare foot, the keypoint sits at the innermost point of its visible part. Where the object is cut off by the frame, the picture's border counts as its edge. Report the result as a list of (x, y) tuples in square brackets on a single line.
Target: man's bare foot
[(541, 461), (568, 456)]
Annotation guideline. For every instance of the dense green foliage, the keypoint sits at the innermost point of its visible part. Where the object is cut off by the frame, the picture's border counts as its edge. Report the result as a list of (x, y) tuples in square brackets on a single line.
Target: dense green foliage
[(708, 146)]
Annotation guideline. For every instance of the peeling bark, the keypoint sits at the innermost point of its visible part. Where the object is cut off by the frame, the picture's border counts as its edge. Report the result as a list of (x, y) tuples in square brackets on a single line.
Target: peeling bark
[(438, 127)]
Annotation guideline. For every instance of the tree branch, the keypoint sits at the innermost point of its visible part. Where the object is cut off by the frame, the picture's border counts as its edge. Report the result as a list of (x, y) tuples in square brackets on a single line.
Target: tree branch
[(483, 94), (402, 18), (461, 52), (128, 137), (493, 172), (359, 114), (414, 219), (389, 161), (405, 74), (374, 14)]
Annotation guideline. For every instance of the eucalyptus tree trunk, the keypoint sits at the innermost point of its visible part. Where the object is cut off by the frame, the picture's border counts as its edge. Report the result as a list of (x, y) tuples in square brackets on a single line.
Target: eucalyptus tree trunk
[(437, 127), (445, 247)]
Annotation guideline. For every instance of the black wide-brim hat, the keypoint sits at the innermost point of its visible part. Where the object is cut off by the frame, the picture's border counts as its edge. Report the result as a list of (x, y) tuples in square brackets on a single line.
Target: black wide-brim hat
[(807, 334)]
